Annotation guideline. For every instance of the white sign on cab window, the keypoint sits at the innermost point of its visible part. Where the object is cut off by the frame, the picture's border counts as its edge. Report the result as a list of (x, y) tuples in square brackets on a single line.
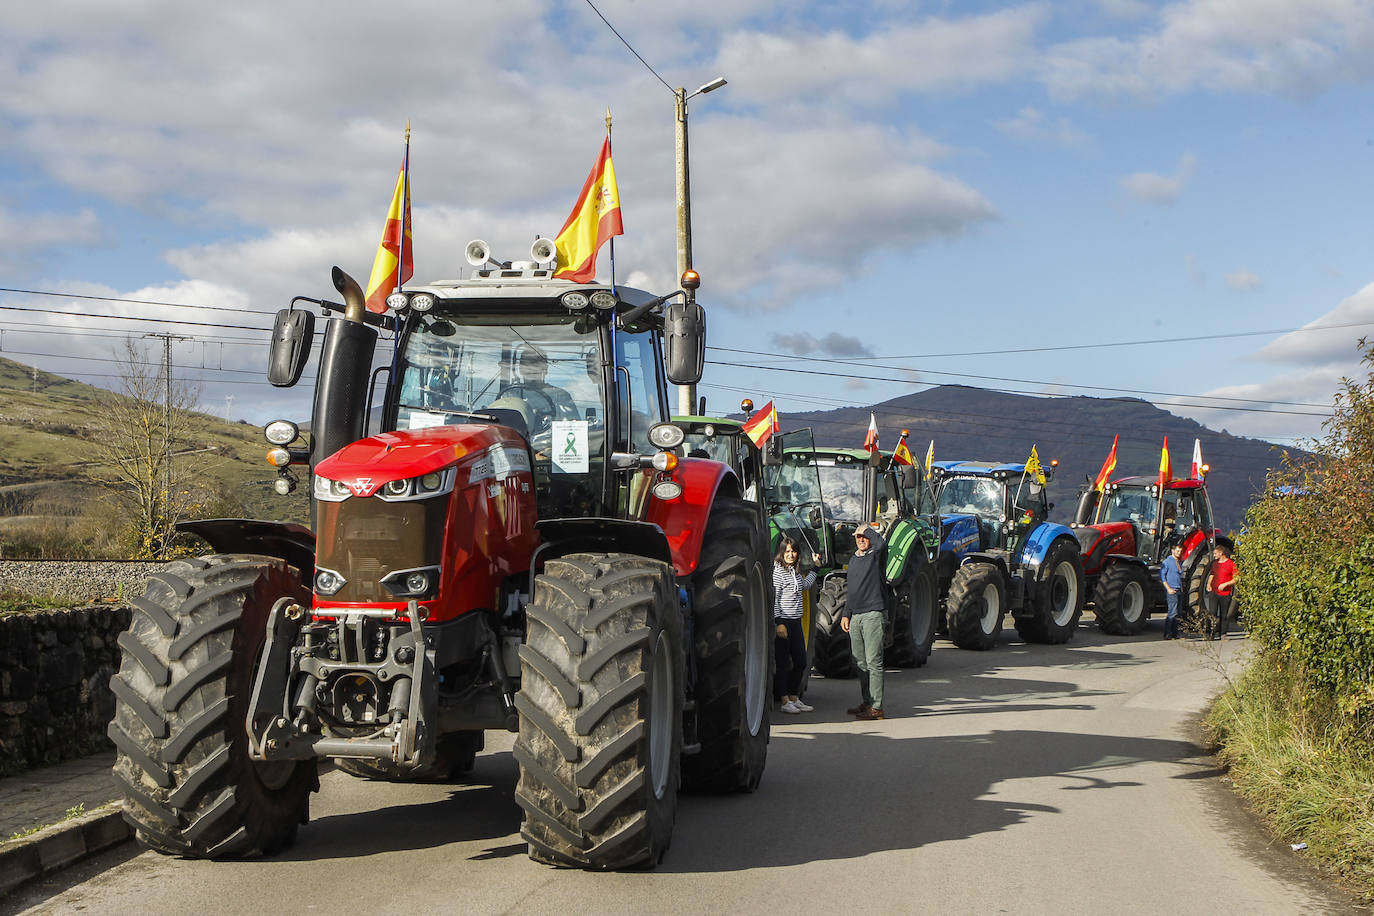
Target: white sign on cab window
[(569, 447)]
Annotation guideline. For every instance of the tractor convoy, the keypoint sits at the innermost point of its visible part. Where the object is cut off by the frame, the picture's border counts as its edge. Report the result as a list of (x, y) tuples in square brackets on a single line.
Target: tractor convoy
[(508, 533), (518, 544)]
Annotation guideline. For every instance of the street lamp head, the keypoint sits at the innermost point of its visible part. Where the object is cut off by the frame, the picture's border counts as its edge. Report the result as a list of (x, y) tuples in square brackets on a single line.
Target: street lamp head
[(711, 86)]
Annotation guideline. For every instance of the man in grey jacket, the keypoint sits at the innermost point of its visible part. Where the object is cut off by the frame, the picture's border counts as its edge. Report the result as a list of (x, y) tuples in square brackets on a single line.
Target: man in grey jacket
[(865, 608)]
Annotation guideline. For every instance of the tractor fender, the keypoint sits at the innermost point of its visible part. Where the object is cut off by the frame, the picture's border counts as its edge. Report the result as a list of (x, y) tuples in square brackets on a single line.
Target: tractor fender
[(293, 543), (910, 543), (611, 535), (683, 518), (1039, 542), (995, 559)]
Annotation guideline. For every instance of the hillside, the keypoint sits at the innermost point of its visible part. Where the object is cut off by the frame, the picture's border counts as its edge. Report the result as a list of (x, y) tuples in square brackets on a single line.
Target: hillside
[(48, 422), (973, 423)]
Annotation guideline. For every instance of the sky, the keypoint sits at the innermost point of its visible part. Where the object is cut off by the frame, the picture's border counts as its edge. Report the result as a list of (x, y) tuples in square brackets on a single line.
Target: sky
[(883, 195)]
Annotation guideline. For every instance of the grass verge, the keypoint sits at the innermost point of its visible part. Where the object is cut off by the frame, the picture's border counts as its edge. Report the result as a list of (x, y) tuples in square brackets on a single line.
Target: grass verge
[(1296, 761), (12, 602)]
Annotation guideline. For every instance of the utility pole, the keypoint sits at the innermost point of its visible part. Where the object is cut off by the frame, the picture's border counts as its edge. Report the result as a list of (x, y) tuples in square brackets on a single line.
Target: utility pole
[(686, 394)]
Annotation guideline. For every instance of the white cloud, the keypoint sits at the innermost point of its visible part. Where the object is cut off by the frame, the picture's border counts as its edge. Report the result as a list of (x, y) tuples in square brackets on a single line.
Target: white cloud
[(1243, 279), (1297, 47), (832, 344), (1335, 347), (1161, 190), (1030, 123), (33, 230), (1284, 395)]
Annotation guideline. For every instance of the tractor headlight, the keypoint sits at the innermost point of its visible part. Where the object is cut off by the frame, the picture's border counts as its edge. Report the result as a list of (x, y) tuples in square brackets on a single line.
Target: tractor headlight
[(398, 302), (434, 483), (281, 432), (575, 301), (603, 299), (398, 488), (666, 435), (422, 302), (331, 491), (413, 583), (328, 582)]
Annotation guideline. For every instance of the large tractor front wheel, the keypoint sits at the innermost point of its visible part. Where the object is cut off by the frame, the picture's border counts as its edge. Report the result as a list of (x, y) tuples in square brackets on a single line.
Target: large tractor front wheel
[(1122, 599), (600, 702), (1058, 596), (833, 655), (732, 622), (913, 630), (181, 698), (977, 606)]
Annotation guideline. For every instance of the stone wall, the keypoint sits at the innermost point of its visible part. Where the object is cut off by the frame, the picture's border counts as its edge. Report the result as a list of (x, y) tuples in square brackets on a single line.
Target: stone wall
[(55, 670), (80, 580)]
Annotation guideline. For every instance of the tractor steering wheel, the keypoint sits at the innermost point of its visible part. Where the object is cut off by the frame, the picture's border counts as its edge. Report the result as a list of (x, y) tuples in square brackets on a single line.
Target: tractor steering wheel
[(545, 418)]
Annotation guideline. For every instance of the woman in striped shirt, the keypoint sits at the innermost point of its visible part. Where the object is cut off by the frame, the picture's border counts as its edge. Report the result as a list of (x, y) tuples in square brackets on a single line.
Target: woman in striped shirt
[(788, 587)]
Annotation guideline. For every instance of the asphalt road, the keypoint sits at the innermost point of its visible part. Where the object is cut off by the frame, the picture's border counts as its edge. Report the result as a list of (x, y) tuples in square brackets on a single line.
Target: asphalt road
[(1028, 779)]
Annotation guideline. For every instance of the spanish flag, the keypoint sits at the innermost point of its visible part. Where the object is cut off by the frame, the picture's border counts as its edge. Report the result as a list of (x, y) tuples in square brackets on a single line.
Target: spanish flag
[(901, 454), (1166, 470), (594, 219), (762, 424), (395, 249), (1104, 476)]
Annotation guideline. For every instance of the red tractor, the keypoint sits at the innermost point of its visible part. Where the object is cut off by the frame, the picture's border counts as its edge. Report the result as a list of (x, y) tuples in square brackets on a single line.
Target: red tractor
[(508, 538), (1127, 529)]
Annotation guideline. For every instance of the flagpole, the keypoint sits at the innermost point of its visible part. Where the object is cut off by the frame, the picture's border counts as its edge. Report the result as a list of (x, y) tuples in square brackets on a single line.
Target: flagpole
[(612, 239), (405, 211)]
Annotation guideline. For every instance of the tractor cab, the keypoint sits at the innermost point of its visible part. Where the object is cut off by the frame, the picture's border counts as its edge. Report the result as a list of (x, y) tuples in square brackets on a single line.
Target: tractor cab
[(985, 506)]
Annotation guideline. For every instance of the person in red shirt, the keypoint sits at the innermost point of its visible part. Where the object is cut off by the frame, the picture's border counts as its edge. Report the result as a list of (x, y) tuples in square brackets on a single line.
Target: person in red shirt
[(1221, 582)]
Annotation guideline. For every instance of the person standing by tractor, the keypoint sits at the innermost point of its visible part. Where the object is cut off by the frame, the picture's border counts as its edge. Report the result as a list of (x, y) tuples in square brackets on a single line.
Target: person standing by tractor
[(863, 619), (789, 587), (1171, 574), (1221, 583)]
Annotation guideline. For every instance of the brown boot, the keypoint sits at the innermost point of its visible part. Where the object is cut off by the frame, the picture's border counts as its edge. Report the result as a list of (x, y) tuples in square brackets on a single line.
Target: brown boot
[(869, 715), (858, 710)]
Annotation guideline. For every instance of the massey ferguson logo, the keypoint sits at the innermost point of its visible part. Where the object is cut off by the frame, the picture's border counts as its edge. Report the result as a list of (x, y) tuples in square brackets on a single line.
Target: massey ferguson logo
[(363, 486)]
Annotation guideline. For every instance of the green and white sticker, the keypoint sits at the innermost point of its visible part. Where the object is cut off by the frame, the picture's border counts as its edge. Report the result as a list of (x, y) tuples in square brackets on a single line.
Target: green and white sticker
[(569, 447)]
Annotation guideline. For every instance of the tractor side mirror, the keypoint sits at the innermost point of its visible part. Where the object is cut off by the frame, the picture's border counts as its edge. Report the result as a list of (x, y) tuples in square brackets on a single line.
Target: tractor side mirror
[(907, 475), (292, 335), (684, 342), (772, 453)]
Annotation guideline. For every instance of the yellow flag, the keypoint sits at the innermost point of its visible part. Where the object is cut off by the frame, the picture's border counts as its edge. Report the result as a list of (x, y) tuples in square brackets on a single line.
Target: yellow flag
[(1033, 468), (930, 456)]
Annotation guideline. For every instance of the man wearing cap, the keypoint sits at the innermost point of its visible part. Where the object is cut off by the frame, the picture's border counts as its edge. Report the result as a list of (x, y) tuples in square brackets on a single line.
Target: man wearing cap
[(546, 402), (864, 611)]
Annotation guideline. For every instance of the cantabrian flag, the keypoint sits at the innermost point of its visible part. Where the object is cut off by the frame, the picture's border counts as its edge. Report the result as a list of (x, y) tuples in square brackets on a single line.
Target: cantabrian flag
[(901, 454), (594, 219), (1166, 470), (395, 261), (1033, 469), (762, 424), (1104, 476), (871, 437), (930, 456), (1196, 472)]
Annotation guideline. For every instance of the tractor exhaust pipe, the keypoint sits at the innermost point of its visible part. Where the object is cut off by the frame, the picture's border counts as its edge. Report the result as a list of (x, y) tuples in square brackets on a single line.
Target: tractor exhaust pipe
[(339, 415)]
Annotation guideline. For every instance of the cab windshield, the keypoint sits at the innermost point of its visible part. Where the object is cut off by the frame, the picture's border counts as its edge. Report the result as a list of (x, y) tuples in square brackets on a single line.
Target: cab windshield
[(971, 496), (842, 486), (1134, 505)]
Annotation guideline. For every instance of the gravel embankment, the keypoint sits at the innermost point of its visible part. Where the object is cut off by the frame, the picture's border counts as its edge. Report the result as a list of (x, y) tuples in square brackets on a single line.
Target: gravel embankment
[(84, 581)]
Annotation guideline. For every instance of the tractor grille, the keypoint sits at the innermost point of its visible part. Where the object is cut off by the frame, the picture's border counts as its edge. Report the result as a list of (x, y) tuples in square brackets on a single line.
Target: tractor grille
[(365, 538)]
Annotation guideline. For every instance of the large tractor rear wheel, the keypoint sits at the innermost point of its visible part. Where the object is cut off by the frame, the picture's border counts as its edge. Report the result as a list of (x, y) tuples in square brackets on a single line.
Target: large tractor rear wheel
[(913, 630), (181, 697), (732, 623), (1122, 599), (1058, 596), (833, 655), (1198, 614), (600, 702), (977, 606)]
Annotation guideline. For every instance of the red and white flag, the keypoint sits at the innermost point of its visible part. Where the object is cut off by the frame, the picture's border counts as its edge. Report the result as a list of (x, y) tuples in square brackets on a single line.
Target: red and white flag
[(1196, 472), (871, 438)]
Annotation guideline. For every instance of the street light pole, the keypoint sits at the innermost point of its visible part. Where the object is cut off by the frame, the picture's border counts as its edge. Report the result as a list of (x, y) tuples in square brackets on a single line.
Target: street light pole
[(686, 394)]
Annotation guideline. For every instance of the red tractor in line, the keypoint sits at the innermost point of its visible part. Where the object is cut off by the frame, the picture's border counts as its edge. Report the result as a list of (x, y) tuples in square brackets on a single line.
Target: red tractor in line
[(518, 544), (1127, 529)]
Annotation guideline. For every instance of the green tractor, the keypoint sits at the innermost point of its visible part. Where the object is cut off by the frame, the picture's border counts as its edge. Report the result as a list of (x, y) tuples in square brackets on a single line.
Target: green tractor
[(857, 488)]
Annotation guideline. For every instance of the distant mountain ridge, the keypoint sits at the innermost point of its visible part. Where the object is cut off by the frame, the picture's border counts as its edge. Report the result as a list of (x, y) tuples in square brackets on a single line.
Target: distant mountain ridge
[(977, 424)]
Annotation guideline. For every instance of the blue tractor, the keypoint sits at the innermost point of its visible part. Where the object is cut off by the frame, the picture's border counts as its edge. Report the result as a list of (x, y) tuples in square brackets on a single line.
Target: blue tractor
[(999, 552)]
